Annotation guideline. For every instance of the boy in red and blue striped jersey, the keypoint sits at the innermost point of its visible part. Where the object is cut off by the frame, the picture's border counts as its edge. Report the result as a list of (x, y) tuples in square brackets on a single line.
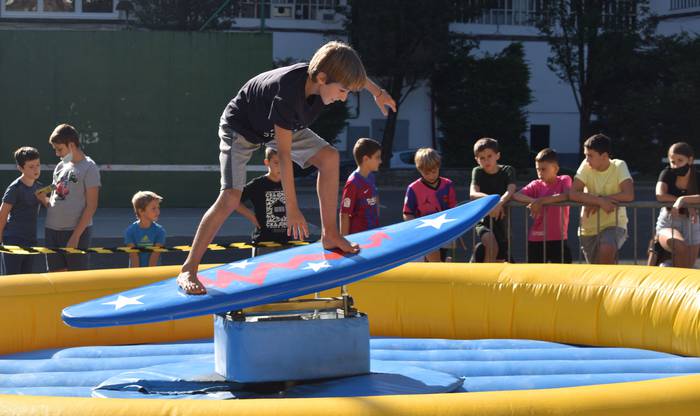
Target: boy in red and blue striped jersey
[(359, 210)]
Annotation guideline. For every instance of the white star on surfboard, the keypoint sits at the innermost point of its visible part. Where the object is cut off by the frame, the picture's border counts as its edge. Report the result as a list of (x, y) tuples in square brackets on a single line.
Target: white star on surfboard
[(317, 266), (435, 222), (240, 265), (124, 301)]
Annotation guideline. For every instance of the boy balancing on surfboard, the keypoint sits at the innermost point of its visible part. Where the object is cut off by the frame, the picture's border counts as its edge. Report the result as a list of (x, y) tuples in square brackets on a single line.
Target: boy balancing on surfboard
[(275, 108)]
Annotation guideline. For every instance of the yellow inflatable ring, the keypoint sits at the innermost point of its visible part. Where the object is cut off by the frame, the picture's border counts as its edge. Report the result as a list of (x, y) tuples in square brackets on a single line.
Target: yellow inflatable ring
[(621, 306)]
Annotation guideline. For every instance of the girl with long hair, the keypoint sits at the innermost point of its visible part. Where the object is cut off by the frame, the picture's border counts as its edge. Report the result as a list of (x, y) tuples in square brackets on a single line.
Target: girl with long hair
[(677, 228)]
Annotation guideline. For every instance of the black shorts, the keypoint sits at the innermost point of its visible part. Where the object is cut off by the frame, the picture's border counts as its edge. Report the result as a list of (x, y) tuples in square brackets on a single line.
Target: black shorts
[(555, 253), (61, 261)]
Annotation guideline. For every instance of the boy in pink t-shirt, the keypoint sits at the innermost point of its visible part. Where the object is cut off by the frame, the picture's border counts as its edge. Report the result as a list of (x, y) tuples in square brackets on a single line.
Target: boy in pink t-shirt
[(547, 237)]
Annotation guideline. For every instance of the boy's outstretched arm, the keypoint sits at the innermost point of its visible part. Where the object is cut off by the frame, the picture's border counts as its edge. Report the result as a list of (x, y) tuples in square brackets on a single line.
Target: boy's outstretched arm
[(475, 192), (381, 97), (522, 198), (134, 259), (626, 193), (296, 223), (577, 194)]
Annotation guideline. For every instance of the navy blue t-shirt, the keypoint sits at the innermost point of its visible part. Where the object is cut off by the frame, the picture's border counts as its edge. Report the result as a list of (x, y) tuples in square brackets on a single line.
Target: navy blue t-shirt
[(21, 224), (272, 98)]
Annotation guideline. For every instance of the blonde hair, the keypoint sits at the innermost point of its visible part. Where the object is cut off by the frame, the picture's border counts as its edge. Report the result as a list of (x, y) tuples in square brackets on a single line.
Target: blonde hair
[(427, 158), (141, 199), (340, 63)]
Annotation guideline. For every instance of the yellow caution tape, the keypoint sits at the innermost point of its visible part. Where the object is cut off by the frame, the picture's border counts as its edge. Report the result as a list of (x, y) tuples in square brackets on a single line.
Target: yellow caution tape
[(8, 249)]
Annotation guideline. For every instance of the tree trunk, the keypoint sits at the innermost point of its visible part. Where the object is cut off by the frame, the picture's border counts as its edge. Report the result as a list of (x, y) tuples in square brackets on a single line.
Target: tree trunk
[(390, 126), (584, 121)]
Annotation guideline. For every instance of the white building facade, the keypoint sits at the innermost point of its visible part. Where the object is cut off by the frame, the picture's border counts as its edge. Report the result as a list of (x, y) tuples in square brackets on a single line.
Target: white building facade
[(299, 27)]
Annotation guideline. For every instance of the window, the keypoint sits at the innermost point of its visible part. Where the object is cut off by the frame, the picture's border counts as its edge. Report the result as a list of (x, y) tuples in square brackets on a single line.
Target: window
[(59, 6), (501, 12), (97, 6), (21, 5), (64, 9), (684, 4), (289, 9)]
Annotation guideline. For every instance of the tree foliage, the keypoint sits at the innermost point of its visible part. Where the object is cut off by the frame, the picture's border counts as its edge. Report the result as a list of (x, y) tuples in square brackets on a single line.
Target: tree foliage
[(589, 39), (482, 97), (653, 102), (183, 15), (400, 43)]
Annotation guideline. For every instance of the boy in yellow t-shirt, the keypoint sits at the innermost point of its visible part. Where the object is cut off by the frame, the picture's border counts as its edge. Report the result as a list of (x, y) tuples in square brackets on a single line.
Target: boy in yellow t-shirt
[(600, 184)]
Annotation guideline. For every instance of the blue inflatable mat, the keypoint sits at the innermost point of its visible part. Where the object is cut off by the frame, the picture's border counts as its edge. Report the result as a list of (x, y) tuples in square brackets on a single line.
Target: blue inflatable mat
[(485, 365), (196, 379)]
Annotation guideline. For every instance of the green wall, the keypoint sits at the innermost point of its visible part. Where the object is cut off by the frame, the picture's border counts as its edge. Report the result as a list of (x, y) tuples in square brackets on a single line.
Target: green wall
[(136, 97)]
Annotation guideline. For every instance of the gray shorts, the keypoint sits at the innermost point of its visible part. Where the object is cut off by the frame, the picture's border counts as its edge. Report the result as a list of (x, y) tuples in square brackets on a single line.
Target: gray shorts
[(61, 261), (613, 236), (681, 224), (235, 152)]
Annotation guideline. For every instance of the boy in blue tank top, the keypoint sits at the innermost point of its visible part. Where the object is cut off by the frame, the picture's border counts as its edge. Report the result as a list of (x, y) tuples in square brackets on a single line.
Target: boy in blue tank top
[(145, 231)]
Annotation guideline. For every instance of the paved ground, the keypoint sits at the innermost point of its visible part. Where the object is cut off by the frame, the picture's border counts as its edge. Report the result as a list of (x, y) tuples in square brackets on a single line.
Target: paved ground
[(181, 223)]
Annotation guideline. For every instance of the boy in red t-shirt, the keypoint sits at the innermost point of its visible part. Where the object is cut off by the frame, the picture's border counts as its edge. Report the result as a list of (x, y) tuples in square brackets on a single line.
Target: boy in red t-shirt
[(359, 210)]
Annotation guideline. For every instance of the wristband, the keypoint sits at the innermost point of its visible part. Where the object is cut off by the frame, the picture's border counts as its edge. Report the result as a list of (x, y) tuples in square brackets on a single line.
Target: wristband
[(381, 91)]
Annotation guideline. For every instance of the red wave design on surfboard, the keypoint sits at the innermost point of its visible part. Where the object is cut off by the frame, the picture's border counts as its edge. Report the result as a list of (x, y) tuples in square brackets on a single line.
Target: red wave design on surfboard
[(259, 274)]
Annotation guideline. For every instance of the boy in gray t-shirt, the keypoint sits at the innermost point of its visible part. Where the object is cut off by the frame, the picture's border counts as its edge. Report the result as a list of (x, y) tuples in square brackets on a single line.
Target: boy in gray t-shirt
[(73, 202)]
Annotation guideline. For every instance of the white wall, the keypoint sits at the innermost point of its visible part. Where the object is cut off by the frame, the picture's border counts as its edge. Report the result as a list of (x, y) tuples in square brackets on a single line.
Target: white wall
[(553, 102)]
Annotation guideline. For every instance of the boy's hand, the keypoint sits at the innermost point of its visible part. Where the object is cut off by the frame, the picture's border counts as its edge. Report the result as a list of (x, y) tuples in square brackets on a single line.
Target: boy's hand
[(73, 242), (384, 100), (589, 210), (608, 205), (497, 212), (296, 225), (535, 208)]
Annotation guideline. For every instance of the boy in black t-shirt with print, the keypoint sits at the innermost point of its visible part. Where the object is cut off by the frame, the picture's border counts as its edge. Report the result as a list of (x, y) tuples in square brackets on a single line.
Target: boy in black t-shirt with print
[(490, 178), (269, 215)]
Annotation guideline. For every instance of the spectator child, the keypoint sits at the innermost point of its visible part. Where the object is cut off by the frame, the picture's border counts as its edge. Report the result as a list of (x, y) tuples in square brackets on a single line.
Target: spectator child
[(359, 210), (600, 184), (677, 228), (429, 194), (20, 209), (276, 108), (145, 231), (73, 202), (547, 238), (269, 215), (490, 178)]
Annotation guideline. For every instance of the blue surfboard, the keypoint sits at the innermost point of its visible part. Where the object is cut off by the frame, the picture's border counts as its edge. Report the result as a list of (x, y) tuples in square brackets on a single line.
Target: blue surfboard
[(282, 275)]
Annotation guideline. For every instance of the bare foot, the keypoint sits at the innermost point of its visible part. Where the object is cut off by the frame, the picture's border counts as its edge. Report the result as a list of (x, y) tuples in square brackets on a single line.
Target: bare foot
[(190, 284), (337, 241)]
